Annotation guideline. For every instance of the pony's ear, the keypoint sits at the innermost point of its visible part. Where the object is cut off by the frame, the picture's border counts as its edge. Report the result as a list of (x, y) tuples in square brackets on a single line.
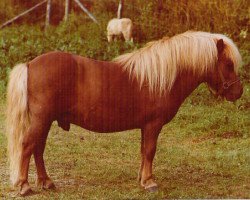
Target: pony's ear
[(220, 45)]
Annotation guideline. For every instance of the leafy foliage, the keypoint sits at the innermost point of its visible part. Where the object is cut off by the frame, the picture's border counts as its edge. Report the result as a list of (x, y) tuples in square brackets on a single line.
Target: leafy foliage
[(22, 42)]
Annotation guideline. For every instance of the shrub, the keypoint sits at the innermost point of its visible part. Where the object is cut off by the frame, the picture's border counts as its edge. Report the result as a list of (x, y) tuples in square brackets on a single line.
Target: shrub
[(21, 43)]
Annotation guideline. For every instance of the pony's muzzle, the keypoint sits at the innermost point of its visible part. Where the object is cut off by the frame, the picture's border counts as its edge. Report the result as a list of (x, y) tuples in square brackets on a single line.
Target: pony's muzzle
[(236, 94)]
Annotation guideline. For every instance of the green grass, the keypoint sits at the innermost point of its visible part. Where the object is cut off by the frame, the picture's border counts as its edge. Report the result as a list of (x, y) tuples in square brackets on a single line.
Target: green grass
[(203, 153)]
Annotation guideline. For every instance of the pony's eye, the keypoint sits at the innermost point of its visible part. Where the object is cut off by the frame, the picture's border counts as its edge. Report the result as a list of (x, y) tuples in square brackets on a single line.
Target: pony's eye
[(230, 67)]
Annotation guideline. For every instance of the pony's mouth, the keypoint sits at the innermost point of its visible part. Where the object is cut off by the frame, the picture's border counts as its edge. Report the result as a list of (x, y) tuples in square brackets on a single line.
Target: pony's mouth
[(233, 96)]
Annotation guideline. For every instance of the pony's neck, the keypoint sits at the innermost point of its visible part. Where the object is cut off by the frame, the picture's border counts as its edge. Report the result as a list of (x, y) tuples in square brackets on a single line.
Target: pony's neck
[(186, 82)]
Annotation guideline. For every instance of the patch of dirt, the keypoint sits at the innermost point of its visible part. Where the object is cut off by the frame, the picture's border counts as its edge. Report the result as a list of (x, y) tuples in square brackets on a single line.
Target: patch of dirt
[(244, 106), (231, 134), (213, 135), (204, 138)]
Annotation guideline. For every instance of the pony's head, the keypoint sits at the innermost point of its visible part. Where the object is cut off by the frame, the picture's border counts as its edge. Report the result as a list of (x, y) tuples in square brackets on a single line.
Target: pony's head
[(224, 79)]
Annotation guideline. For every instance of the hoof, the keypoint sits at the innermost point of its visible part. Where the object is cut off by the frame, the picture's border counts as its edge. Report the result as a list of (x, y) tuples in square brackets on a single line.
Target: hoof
[(152, 188), (25, 190), (50, 186), (45, 184)]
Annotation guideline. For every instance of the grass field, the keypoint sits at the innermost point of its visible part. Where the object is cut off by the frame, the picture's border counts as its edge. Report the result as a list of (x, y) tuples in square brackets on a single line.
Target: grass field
[(203, 153)]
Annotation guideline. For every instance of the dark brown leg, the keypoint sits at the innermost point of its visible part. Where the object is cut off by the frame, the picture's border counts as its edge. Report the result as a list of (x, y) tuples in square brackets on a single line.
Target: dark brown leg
[(151, 132), (43, 179)]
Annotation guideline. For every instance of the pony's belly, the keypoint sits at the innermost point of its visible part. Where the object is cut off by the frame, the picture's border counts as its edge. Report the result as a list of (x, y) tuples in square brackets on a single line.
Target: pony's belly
[(106, 127), (116, 32), (106, 122)]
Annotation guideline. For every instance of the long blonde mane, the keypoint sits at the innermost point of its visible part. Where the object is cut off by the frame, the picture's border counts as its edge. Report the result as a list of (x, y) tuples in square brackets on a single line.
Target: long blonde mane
[(159, 62)]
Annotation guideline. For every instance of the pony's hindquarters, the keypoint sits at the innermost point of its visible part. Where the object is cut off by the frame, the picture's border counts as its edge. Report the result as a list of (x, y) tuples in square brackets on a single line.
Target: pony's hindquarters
[(127, 28), (17, 117)]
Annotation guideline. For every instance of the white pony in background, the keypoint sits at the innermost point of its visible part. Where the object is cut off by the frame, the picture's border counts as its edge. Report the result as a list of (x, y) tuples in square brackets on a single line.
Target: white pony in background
[(116, 27)]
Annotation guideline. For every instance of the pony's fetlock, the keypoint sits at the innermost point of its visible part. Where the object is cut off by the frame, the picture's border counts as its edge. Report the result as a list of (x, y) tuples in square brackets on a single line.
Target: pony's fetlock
[(45, 183), (25, 189)]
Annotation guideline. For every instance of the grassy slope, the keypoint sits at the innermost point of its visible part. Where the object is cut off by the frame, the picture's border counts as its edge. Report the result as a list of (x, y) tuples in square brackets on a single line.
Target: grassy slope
[(203, 153)]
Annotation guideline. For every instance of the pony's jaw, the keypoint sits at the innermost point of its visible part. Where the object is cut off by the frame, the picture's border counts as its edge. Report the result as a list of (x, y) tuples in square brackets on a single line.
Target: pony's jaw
[(231, 94)]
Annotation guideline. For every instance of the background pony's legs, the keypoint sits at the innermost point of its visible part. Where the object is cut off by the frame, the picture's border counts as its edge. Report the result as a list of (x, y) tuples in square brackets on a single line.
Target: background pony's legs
[(127, 36), (110, 38)]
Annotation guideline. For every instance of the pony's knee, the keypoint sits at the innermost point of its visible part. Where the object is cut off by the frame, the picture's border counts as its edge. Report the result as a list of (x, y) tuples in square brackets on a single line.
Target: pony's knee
[(110, 37)]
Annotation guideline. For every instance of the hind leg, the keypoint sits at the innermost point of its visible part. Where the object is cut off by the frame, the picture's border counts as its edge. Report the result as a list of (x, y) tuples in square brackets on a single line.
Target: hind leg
[(27, 148), (29, 144), (43, 179), (127, 36)]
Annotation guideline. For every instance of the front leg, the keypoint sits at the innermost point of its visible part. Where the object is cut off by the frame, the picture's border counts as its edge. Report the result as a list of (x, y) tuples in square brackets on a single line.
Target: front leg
[(150, 134), (142, 157)]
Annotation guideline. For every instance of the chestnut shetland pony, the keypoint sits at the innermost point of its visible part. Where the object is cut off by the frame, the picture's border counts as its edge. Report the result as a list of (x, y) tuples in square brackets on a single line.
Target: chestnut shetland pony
[(143, 89)]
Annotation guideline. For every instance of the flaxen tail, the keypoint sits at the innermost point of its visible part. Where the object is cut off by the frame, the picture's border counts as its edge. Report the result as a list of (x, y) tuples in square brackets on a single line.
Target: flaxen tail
[(17, 117)]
